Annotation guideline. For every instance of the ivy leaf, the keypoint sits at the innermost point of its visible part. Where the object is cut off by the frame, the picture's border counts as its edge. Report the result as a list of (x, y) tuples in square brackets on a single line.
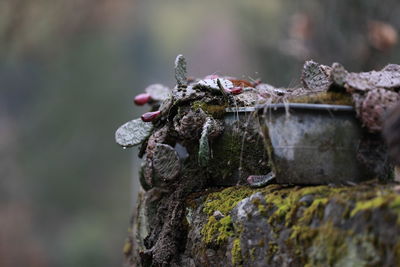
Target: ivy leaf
[(133, 133)]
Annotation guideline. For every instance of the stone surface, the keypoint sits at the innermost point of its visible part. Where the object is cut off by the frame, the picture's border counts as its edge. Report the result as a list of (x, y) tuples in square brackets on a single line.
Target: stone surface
[(392, 133), (288, 226)]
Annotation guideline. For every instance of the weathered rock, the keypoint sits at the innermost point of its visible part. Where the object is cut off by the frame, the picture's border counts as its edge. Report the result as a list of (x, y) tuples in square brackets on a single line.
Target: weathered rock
[(292, 226), (392, 133)]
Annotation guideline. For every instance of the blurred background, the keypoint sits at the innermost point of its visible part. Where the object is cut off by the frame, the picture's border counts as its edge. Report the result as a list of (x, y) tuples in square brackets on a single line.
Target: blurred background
[(69, 70)]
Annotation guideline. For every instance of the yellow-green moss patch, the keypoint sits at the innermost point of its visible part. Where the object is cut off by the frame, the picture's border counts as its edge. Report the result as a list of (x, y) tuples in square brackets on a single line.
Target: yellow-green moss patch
[(390, 200), (286, 202), (332, 98), (236, 253), (217, 111), (313, 238), (227, 199), (217, 231), (329, 245)]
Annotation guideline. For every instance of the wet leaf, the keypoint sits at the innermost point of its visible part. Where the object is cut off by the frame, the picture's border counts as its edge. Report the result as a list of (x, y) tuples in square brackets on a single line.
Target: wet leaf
[(158, 92), (186, 94), (315, 77), (247, 99), (133, 133), (180, 71), (212, 84), (204, 147), (261, 180), (388, 78), (165, 106), (166, 162), (338, 74)]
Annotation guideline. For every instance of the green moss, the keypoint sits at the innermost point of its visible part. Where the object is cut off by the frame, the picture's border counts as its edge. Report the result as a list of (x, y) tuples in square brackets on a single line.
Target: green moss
[(216, 111), (395, 203), (217, 231), (397, 251), (328, 246), (253, 254), (283, 200), (302, 234), (286, 202), (332, 98), (272, 248), (390, 200), (237, 151), (315, 240), (226, 157), (236, 252), (369, 204), (227, 199), (316, 210), (127, 249)]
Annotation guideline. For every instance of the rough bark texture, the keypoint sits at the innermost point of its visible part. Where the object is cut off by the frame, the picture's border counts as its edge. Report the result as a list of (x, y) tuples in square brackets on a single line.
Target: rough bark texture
[(281, 226)]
